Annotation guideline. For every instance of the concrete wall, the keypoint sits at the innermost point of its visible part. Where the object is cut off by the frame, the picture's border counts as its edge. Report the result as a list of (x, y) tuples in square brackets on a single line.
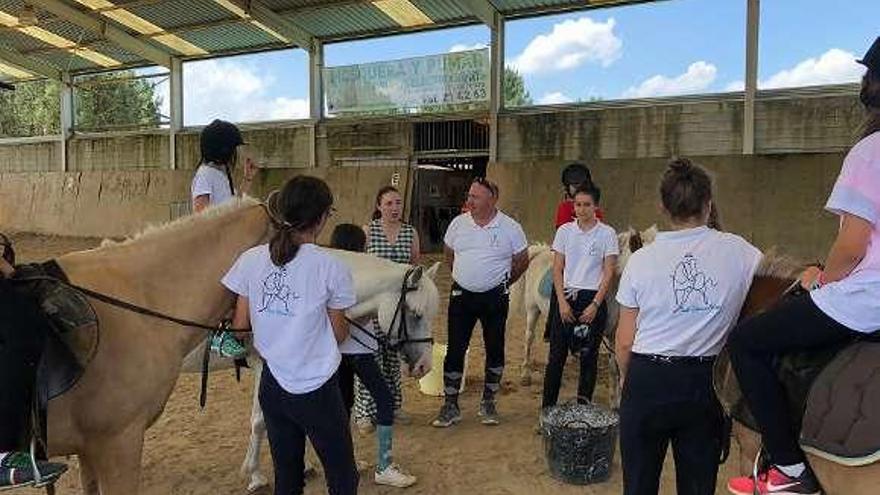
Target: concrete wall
[(772, 201), (119, 203)]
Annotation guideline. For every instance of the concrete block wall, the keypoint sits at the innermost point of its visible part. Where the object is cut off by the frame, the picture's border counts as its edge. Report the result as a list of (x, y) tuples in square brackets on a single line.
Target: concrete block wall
[(772, 201)]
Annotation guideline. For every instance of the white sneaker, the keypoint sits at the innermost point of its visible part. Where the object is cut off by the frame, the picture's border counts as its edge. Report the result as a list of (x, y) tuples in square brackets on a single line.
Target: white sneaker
[(393, 476)]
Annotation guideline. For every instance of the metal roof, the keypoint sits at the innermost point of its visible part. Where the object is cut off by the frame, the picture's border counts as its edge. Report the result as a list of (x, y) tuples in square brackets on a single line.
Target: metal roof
[(43, 37)]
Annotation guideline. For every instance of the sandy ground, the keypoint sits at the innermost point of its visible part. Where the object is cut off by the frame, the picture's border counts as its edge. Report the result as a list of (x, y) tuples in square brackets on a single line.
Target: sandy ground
[(189, 451)]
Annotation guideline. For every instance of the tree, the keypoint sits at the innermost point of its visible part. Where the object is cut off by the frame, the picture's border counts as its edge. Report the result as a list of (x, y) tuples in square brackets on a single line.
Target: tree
[(515, 92), (101, 101)]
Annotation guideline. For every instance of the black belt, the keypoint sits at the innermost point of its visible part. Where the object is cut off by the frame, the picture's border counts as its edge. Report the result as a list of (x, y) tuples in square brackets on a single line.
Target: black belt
[(498, 289), (659, 359)]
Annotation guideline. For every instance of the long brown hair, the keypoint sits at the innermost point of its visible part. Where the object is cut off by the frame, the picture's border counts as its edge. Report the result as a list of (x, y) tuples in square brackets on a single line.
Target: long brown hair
[(382, 192), (298, 208), (870, 97), (685, 189)]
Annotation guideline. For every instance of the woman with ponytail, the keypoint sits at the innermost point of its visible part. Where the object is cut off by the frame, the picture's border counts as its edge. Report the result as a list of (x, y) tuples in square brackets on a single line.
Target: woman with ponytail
[(842, 306), (679, 297), (294, 295)]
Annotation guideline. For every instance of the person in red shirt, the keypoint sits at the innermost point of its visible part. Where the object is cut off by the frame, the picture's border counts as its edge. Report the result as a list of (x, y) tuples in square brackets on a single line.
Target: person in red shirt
[(574, 175)]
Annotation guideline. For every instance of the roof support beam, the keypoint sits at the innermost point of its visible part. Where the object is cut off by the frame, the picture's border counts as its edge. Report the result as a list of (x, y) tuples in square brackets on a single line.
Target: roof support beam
[(261, 13), (109, 31), (753, 18), (30, 64), (482, 10), (496, 86)]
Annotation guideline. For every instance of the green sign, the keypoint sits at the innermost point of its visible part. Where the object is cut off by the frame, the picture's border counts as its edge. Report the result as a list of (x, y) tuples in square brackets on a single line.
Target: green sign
[(414, 83)]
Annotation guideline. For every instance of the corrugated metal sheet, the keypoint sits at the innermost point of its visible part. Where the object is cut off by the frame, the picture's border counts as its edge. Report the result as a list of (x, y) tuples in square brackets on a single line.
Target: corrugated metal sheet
[(347, 19), (230, 37), (111, 50), (171, 14), (441, 11)]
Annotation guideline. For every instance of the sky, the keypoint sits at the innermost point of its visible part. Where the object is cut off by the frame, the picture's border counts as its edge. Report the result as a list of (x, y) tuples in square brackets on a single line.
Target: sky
[(667, 48)]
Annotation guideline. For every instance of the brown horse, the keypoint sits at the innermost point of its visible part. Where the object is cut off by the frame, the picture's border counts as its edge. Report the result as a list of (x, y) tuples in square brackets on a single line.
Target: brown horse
[(175, 270), (774, 278)]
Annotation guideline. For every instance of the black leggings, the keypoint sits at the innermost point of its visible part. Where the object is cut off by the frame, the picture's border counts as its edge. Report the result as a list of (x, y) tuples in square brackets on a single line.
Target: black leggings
[(562, 341), (318, 415), (365, 367), (797, 324), (465, 309), (23, 333)]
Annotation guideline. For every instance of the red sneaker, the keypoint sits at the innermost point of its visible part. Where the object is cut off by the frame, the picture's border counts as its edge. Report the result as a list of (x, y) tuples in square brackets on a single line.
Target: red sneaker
[(773, 481)]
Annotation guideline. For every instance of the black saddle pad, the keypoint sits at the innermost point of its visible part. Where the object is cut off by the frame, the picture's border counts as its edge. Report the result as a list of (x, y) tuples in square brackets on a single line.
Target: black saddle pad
[(74, 339)]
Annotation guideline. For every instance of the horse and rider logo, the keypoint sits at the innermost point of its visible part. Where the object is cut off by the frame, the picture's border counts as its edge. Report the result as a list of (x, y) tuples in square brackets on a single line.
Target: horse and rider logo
[(277, 294), (692, 288)]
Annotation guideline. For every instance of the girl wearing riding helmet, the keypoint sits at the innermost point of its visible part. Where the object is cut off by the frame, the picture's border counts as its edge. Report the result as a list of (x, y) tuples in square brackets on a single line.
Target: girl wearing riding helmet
[(679, 296), (359, 360), (844, 305), (294, 295)]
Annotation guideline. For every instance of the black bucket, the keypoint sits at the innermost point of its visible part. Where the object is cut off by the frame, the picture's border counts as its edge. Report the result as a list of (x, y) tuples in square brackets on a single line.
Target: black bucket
[(579, 442)]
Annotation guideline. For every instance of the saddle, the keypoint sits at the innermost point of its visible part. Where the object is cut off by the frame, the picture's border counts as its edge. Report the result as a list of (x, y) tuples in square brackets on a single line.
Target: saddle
[(70, 345), (833, 396)]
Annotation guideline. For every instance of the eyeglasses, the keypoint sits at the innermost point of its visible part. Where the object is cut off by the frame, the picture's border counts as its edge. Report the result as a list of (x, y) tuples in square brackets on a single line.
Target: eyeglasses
[(488, 184)]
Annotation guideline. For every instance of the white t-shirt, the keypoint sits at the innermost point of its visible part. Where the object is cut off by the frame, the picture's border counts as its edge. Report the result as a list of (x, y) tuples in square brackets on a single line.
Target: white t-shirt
[(689, 287), (288, 310), (358, 341), (483, 255), (855, 301), (213, 182), (584, 253)]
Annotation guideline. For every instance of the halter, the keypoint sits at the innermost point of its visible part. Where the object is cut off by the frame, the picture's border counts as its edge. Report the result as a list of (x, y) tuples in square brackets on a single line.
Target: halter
[(403, 337)]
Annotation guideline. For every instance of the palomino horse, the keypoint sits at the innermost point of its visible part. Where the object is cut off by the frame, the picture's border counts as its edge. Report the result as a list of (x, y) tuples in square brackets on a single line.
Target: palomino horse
[(174, 269), (526, 295)]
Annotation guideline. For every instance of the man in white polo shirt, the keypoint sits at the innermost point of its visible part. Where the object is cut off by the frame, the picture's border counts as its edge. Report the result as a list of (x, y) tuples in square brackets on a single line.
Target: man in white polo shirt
[(488, 252)]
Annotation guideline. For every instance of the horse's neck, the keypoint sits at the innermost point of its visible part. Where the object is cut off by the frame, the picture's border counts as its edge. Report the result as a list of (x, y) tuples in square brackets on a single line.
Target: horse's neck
[(374, 278), (176, 269)]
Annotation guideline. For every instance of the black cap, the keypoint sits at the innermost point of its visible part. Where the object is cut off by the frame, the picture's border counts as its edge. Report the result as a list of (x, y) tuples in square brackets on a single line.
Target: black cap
[(219, 140), (872, 57)]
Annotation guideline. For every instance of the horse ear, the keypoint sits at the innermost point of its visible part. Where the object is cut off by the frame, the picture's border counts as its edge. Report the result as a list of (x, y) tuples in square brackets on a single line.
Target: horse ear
[(432, 272), (415, 276)]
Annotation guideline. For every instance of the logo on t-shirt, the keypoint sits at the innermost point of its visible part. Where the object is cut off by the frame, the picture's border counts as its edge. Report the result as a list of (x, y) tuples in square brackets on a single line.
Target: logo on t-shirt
[(692, 288), (594, 249), (277, 294)]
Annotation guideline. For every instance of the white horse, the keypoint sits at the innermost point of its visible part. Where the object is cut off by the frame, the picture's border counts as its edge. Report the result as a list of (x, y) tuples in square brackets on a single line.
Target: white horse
[(378, 284), (526, 295)]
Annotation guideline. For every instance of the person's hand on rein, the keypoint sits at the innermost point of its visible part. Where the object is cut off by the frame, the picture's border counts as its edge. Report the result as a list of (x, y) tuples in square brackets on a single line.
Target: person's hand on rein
[(250, 169), (810, 277)]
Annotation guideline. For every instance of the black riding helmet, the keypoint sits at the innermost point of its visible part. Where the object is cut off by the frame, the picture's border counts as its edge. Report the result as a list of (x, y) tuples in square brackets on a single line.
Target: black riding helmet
[(575, 174), (219, 140)]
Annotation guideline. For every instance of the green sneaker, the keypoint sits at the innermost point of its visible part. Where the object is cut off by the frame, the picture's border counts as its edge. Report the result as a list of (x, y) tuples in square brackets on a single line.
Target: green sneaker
[(16, 471), (226, 345)]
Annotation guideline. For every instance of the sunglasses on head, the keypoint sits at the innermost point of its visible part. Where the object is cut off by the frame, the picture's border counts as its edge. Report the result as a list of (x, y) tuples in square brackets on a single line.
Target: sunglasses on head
[(488, 184)]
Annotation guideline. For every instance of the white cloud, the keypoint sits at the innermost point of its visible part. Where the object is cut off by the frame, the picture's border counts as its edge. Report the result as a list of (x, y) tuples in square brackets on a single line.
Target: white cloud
[(461, 47), (554, 98), (832, 67), (234, 91), (735, 86), (571, 44), (699, 76)]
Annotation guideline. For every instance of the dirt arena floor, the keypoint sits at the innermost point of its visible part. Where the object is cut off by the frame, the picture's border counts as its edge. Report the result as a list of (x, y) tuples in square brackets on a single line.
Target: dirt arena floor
[(189, 451)]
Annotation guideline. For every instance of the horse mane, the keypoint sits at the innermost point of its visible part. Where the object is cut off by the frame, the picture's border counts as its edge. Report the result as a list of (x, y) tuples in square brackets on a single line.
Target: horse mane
[(184, 223), (777, 265)]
